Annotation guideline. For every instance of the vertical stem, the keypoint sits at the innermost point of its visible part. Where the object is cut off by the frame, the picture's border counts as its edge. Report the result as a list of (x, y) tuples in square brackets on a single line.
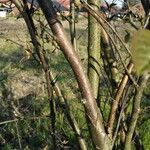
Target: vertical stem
[(94, 49), (136, 110), (109, 61), (18, 135), (73, 25), (118, 95)]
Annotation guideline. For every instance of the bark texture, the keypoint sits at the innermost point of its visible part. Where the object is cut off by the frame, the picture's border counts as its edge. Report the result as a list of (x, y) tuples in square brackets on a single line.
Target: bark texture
[(94, 49), (93, 114)]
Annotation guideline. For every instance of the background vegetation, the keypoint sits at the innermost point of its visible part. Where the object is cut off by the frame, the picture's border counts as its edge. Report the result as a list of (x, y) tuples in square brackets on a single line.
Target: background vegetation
[(44, 104)]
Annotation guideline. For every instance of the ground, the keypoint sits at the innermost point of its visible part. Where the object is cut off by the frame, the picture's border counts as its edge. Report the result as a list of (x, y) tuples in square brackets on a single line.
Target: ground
[(21, 75), (24, 76), (22, 85), (13, 42)]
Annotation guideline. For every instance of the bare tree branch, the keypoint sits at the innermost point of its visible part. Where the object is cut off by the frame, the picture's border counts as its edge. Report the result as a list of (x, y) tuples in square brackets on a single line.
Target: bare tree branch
[(93, 114), (136, 110), (118, 95)]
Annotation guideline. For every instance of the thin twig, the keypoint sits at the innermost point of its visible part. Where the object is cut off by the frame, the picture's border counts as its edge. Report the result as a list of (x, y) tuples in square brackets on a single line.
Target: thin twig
[(18, 135), (22, 119), (120, 117)]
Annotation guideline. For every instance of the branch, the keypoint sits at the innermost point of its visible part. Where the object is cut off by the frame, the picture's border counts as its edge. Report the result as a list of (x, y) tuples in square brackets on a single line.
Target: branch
[(93, 114), (120, 118), (22, 119), (136, 110), (49, 78), (117, 98)]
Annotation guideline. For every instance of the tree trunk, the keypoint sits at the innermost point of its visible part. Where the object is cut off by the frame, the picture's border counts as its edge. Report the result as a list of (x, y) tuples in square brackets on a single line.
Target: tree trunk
[(94, 49)]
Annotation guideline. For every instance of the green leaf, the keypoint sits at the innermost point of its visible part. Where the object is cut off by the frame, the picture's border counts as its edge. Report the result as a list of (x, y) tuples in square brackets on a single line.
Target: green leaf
[(140, 48)]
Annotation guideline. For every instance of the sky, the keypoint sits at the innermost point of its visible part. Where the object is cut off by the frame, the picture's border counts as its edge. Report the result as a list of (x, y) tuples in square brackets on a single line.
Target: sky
[(118, 2)]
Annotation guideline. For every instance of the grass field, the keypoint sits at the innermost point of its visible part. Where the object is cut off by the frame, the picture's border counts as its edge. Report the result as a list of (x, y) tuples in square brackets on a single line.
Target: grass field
[(23, 89)]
